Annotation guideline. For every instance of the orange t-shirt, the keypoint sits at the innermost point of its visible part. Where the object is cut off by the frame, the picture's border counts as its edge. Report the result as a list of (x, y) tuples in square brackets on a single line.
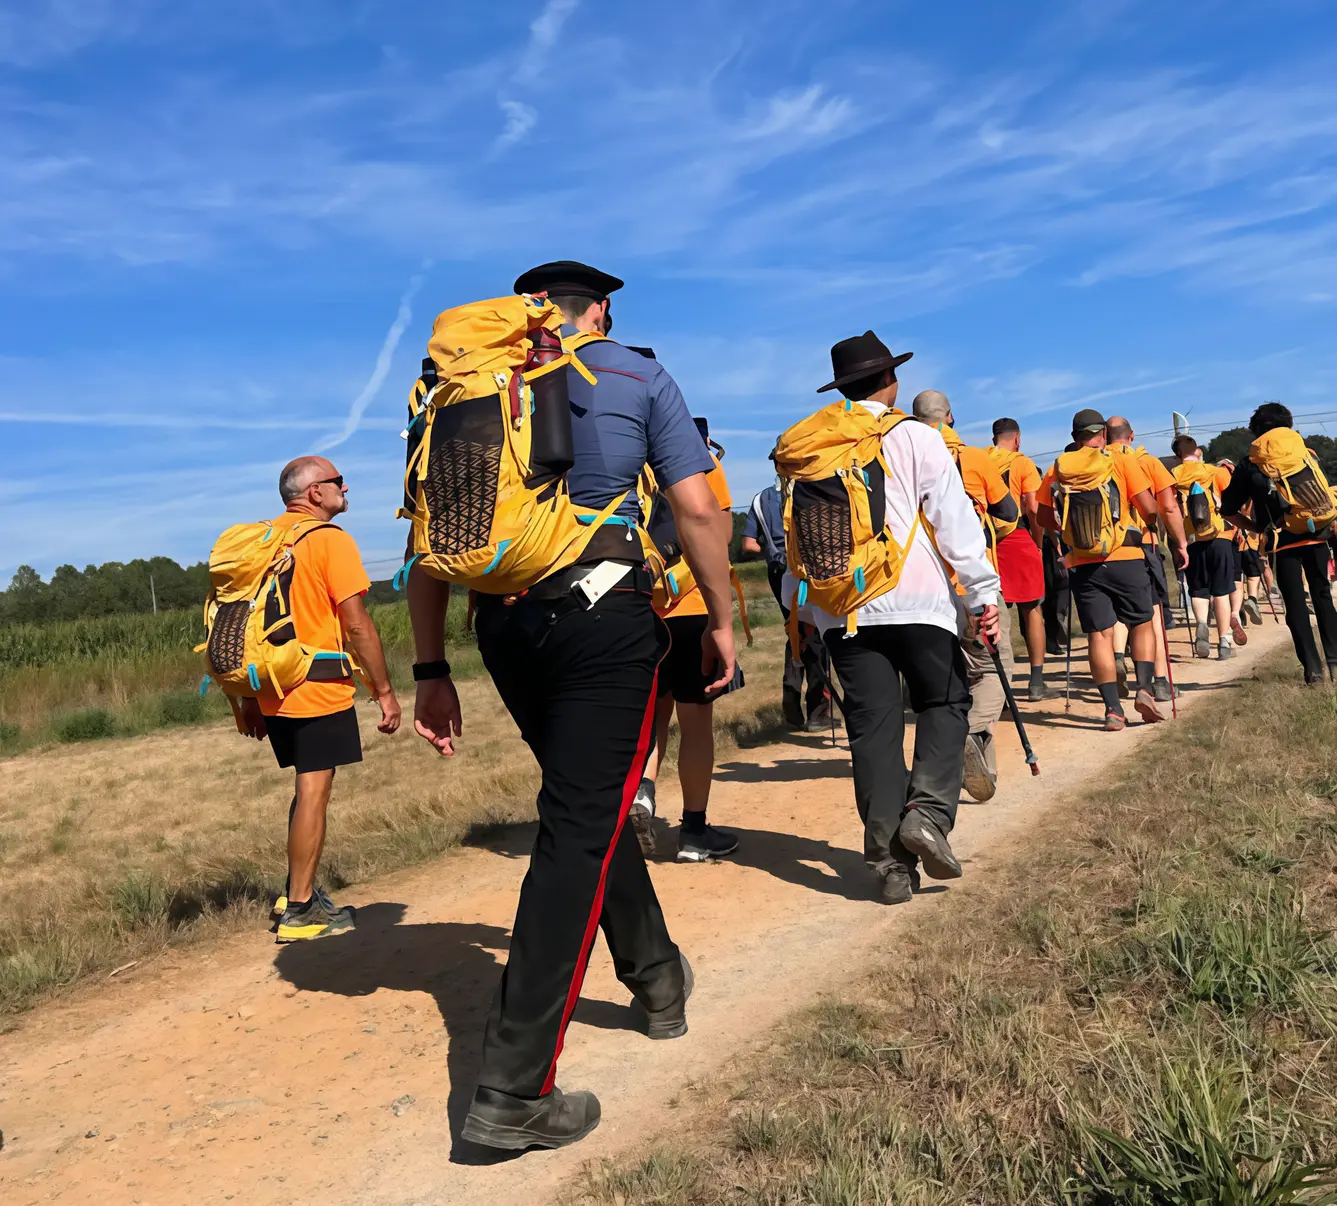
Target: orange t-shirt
[(1159, 476), (1019, 472), (693, 603), (1131, 479), (327, 570)]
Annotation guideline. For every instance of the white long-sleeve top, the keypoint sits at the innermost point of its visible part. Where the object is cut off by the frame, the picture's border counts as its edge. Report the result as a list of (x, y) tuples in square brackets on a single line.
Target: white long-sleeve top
[(924, 479)]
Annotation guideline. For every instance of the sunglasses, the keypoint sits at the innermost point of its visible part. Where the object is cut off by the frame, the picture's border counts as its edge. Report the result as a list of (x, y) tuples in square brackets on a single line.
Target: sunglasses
[(331, 481)]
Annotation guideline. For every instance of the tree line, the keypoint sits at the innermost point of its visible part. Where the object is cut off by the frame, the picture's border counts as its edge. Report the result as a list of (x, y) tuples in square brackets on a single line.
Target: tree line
[(115, 588)]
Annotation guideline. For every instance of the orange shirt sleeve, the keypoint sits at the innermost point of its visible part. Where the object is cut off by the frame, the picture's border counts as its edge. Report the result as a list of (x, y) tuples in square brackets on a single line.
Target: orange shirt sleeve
[(1222, 478), (1026, 475), (336, 559), (1135, 478), (720, 486)]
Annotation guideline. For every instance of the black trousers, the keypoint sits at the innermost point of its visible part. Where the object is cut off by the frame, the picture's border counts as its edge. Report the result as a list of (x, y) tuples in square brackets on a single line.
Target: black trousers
[(581, 686), (813, 660), (1057, 598), (1294, 566), (871, 664)]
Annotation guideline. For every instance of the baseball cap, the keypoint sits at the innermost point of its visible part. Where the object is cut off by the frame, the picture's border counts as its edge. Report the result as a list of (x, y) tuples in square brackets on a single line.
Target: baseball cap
[(1085, 422)]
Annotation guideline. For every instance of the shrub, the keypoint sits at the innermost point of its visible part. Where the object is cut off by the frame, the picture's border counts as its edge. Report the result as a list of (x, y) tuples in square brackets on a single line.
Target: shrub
[(88, 725), (181, 707), (141, 900)]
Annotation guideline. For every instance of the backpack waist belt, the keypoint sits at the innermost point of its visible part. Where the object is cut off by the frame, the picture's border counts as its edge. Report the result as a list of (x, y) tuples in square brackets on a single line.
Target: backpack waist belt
[(558, 586)]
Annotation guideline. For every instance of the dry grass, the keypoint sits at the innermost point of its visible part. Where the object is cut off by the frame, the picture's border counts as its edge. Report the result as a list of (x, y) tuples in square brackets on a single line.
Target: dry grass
[(111, 849), (1142, 1011)]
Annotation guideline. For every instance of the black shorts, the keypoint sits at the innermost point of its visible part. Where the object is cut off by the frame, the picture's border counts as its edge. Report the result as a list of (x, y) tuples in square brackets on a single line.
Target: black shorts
[(1112, 591), (1252, 562), (1156, 569), (680, 671), (1211, 568), (315, 743)]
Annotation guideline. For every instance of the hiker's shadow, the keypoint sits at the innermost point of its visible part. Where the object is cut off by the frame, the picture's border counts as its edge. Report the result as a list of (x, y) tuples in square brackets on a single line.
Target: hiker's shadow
[(453, 961)]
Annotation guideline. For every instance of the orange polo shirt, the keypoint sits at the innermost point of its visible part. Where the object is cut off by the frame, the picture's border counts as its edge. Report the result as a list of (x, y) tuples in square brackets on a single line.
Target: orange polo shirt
[(693, 603)]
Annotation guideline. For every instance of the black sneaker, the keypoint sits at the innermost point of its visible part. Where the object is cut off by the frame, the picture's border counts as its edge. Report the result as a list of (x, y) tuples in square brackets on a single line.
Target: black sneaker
[(977, 779), (643, 816), (513, 1124), (822, 718), (671, 1022), (708, 844), (921, 836), (899, 883), (791, 708), (318, 918)]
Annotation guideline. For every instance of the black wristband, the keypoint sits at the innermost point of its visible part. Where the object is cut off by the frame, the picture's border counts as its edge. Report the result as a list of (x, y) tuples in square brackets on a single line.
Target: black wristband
[(422, 671)]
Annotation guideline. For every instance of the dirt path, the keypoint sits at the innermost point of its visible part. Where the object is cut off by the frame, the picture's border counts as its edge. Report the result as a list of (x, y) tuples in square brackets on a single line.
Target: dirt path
[(259, 1074)]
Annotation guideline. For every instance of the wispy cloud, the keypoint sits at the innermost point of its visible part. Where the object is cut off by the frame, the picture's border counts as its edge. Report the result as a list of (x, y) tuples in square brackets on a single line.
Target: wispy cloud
[(368, 393), (544, 31)]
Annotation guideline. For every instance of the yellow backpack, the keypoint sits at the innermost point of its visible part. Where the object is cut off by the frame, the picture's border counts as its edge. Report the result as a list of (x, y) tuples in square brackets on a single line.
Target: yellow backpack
[(250, 642), (1088, 503), (1134, 518), (837, 540), (490, 444), (676, 579), (1294, 470), (1195, 484)]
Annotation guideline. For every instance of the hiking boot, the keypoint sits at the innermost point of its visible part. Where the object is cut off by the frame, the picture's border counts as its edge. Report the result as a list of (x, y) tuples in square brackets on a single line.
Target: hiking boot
[(1115, 722), (1237, 631), (671, 1021), (1036, 691), (822, 717), (1161, 691), (1202, 641), (921, 836), (898, 884), (1313, 678), (1054, 649), (643, 816), (1147, 708), (513, 1124), (1224, 651), (708, 844), (1251, 609), (977, 778), (791, 708), (1121, 675), (318, 918)]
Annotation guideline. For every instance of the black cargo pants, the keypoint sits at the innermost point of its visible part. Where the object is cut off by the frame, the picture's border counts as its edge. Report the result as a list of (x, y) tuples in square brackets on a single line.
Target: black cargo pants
[(1295, 566), (581, 686), (871, 664), (813, 659)]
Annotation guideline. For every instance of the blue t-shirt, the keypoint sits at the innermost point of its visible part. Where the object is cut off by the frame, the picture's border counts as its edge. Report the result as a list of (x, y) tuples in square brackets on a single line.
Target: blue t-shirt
[(635, 415), (766, 525)]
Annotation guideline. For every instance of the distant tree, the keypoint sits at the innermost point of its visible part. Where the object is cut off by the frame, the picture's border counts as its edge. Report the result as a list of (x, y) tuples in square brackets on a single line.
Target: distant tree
[(1325, 448), (102, 590), (1231, 445)]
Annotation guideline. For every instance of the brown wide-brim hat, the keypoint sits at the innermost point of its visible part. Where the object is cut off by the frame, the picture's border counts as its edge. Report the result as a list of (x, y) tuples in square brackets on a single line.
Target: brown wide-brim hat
[(858, 357)]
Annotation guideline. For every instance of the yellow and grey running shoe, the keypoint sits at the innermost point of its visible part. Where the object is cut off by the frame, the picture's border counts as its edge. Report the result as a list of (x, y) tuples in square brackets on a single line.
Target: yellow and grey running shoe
[(317, 918)]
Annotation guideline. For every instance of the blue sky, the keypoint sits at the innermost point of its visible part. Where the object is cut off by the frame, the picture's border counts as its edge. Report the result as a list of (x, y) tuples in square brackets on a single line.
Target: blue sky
[(216, 219)]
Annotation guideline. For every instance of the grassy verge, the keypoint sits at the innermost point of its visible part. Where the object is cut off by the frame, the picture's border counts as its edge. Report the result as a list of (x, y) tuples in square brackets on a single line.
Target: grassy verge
[(112, 850), (1141, 1011)]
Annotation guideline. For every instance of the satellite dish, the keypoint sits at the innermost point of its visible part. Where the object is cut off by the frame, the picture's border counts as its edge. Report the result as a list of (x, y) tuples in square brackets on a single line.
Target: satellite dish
[(1181, 423)]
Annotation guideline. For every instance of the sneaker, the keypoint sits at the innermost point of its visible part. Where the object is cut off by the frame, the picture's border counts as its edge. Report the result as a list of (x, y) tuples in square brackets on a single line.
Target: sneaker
[(1121, 675), (318, 918), (1036, 691), (1147, 708), (671, 1022), (1161, 691), (1202, 642), (1053, 649), (822, 717), (791, 708), (708, 844), (513, 1124), (1224, 651), (1115, 722), (1237, 631), (976, 779), (643, 816), (921, 836), (1251, 609), (1313, 679), (898, 884)]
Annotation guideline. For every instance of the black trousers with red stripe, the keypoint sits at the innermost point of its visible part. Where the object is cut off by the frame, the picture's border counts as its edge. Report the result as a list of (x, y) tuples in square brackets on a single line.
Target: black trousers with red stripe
[(581, 686)]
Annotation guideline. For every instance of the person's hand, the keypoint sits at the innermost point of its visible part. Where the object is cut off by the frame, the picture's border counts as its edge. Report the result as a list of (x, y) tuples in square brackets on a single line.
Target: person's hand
[(253, 720), (1180, 556), (436, 714), (985, 623), (718, 657), (390, 713)]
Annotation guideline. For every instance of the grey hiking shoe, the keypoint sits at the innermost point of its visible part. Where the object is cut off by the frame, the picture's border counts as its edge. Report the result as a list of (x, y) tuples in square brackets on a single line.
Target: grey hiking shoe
[(977, 778), (1202, 642), (643, 816), (1121, 675), (1162, 691), (1036, 691), (1148, 708), (1225, 651), (921, 836), (898, 884), (671, 1021), (318, 918), (513, 1124), (1252, 611)]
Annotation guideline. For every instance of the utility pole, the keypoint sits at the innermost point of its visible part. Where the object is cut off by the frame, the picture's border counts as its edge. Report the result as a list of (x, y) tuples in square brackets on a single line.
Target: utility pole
[(153, 592)]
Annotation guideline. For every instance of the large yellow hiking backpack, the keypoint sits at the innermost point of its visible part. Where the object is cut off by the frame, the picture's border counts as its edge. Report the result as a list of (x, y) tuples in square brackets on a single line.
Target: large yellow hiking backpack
[(994, 529), (837, 539), (1088, 503), (251, 644), (490, 444), (673, 576), (1304, 491), (1199, 500)]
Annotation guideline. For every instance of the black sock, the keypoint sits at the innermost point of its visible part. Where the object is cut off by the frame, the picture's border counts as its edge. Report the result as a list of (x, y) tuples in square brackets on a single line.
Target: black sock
[(1109, 692), (1037, 672), (1146, 674), (694, 822), (301, 906)]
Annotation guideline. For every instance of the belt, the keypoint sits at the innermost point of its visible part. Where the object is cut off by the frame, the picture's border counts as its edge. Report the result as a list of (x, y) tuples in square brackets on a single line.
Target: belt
[(558, 586)]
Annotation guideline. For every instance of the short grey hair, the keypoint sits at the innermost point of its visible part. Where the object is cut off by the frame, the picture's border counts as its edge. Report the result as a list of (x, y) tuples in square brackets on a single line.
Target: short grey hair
[(930, 406), (296, 478)]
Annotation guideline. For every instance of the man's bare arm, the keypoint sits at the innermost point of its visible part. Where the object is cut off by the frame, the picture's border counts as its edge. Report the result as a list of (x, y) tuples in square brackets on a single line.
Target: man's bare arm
[(360, 632)]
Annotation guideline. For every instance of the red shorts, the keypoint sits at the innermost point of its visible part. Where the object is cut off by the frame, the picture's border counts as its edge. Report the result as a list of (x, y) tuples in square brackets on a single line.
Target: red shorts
[(1021, 568)]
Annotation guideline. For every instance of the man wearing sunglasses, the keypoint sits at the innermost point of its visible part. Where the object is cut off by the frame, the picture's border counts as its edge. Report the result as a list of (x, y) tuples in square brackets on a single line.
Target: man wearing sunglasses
[(313, 728)]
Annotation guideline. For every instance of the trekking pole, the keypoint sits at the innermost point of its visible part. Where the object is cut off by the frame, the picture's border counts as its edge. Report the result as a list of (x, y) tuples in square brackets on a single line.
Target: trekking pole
[(1031, 760), (1067, 668), (1188, 619), (1169, 672)]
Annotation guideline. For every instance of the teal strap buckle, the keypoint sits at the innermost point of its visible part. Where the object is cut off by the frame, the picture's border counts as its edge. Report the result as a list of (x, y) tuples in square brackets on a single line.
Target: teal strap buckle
[(204, 685), (253, 677), (859, 580), (802, 597), (615, 519), (401, 578), (672, 581), (501, 552)]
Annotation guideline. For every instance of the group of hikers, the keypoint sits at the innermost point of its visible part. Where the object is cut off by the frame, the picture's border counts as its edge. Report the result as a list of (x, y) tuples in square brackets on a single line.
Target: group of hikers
[(559, 477)]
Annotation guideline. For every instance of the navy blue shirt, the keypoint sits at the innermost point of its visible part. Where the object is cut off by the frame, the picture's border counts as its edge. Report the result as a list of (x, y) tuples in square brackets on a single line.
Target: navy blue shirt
[(766, 525), (635, 415)]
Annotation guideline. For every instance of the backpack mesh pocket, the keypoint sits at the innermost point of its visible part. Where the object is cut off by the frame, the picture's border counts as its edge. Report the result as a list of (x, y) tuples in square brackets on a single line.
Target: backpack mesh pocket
[(227, 638), (460, 485), (1086, 516), (822, 527), (1308, 492)]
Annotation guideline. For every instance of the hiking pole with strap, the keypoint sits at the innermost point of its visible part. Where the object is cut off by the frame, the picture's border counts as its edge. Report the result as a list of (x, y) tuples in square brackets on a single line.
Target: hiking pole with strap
[(1031, 760), (1188, 618), (1169, 671)]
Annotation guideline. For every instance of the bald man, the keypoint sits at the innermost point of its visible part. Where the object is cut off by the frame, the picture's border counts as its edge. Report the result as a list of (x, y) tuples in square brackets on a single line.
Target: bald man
[(313, 728)]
